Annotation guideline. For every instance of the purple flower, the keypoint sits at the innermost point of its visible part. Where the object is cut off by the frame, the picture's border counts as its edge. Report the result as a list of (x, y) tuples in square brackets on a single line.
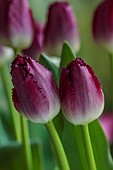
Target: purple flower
[(81, 94), (37, 44), (103, 24), (106, 121), (35, 94), (61, 25), (15, 23)]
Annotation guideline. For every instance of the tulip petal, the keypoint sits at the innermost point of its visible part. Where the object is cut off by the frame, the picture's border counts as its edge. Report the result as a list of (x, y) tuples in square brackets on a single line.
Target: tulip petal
[(36, 92), (81, 93)]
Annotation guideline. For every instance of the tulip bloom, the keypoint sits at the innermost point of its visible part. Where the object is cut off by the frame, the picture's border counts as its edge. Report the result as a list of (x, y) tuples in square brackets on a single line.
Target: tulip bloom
[(6, 54), (37, 44), (15, 23), (106, 120), (35, 94), (81, 94), (103, 24), (61, 25)]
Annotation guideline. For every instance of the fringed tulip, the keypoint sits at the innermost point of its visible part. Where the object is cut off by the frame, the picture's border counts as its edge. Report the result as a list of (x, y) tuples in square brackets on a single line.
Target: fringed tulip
[(103, 25), (37, 44), (15, 23), (81, 94), (61, 25), (35, 94), (106, 120)]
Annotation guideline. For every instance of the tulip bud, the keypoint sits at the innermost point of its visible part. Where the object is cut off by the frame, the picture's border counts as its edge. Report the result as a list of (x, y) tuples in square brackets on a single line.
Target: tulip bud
[(106, 120), (36, 47), (15, 23), (81, 94), (35, 94), (61, 25), (103, 25), (6, 54)]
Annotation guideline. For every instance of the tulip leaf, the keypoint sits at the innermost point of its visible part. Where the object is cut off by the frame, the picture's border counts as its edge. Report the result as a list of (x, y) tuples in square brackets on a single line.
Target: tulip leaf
[(73, 144), (13, 154), (67, 55), (45, 60)]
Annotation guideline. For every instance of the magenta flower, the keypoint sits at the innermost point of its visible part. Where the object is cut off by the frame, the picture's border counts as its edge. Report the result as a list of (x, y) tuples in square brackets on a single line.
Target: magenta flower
[(103, 24), (81, 94), (37, 44), (61, 25), (106, 121), (15, 23), (35, 94)]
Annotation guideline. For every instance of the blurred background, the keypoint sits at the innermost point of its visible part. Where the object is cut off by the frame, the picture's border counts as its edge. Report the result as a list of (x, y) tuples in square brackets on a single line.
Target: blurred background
[(95, 56)]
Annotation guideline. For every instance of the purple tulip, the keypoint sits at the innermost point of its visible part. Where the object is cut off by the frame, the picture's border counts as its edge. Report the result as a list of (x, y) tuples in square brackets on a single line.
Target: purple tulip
[(106, 121), (15, 23), (103, 25), (35, 94), (37, 44), (61, 25), (81, 94)]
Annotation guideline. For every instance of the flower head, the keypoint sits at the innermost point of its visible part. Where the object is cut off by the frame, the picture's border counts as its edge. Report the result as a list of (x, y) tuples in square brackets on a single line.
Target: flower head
[(37, 44), (15, 23), (106, 120), (103, 25), (81, 94), (6, 54), (35, 94), (61, 26)]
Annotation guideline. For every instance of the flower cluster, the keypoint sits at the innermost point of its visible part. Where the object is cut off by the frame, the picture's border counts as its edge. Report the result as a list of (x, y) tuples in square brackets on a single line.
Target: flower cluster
[(80, 91)]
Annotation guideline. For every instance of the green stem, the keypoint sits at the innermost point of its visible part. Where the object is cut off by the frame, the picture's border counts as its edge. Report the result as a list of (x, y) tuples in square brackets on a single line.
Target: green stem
[(111, 69), (27, 144), (15, 116), (88, 147), (63, 162)]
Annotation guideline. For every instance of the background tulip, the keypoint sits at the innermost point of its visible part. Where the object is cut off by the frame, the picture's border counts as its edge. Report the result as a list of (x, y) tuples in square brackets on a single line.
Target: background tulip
[(6, 54), (15, 23), (37, 44), (106, 121), (61, 25), (103, 24), (81, 94), (35, 94)]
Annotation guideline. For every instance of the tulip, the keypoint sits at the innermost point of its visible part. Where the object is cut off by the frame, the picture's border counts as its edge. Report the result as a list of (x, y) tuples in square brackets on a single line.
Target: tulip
[(6, 54), (35, 94), (61, 25), (15, 24), (37, 44), (81, 94), (106, 120), (103, 25)]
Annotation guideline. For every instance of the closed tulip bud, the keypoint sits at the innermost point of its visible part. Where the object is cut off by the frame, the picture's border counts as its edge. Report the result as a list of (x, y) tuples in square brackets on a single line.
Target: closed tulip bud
[(35, 94), (81, 94), (103, 25), (61, 26), (37, 44), (6, 54), (106, 120), (15, 24)]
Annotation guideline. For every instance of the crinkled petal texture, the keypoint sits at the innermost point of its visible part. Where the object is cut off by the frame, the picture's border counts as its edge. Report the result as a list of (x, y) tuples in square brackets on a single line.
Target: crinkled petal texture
[(103, 24), (35, 94), (15, 23), (61, 26), (81, 94)]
